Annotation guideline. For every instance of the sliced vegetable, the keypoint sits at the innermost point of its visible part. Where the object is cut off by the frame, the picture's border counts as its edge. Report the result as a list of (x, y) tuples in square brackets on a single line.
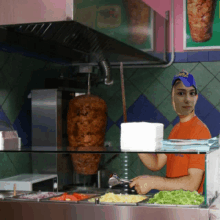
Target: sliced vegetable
[(177, 197), (73, 197)]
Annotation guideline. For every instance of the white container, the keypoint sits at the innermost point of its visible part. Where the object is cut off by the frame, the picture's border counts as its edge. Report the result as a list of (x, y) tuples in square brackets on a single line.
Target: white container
[(9, 140), (141, 136)]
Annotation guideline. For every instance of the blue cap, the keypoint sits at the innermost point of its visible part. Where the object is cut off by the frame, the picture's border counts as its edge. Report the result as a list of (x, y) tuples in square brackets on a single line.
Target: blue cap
[(187, 79)]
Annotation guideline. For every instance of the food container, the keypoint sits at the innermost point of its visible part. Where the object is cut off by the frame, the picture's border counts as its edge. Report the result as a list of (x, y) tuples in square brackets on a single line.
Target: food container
[(110, 203), (145, 203), (65, 201), (34, 196), (5, 194)]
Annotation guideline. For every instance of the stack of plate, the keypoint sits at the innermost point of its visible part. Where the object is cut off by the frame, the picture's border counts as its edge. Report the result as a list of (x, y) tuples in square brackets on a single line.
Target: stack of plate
[(141, 136)]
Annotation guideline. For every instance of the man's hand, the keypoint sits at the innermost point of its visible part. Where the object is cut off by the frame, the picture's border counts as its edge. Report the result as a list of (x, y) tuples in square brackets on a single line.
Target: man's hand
[(143, 184)]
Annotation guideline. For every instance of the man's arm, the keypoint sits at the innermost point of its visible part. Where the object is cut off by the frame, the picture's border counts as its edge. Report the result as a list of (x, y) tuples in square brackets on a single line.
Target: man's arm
[(153, 162), (191, 182)]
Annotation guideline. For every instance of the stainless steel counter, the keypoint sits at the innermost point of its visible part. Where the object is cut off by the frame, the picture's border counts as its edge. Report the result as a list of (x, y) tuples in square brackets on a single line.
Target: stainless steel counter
[(19, 210)]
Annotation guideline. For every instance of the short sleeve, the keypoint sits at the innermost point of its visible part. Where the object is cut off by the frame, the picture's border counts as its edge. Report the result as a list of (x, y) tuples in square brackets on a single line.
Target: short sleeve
[(197, 161)]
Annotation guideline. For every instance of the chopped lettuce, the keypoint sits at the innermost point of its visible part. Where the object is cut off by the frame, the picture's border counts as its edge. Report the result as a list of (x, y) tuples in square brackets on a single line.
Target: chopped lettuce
[(177, 197)]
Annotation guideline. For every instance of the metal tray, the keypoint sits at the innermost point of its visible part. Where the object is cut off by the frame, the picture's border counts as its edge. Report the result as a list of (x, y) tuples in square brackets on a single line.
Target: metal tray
[(109, 203), (5, 194), (144, 203), (48, 199), (18, 197)]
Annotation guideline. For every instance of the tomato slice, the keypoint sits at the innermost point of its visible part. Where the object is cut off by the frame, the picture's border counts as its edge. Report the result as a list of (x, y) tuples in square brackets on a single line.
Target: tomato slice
[(60, 198), (80, 196), (71, 197)]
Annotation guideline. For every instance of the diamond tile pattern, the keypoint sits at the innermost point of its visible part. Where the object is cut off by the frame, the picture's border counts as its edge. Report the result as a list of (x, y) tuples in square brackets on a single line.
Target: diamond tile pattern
[(113, 136), (142, 79), (4, 88), (14, 67), (109, 124), (167, 131), (156, 71), (212, 67), (218, 107), (24, 121), (156, 93), (212, 92), (203, 107), (202, 76), (143, 110), (167, 76), (186, 66), (148, 98), (114, 108), (3, 57), (166, 108), (218, 76), (106, 92), (213, 122), (6, 166), (131, 93)]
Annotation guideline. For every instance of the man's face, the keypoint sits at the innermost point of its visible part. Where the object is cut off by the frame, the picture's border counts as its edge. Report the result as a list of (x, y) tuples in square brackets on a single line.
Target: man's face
[(183, 98)]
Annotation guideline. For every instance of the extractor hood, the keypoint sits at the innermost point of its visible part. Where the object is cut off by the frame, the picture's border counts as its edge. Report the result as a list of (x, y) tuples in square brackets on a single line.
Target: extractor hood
[(83, 32)]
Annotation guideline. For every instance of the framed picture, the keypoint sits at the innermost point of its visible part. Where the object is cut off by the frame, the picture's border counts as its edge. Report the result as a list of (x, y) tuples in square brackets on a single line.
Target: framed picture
[(119, 19), (201, 24)]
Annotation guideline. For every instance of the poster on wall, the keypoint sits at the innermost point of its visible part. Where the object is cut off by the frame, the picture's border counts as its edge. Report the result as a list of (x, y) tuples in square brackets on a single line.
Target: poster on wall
[(201, 24), (120, 19)]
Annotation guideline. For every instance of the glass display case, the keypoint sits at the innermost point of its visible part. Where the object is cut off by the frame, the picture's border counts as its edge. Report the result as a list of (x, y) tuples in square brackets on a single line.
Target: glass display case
[(58, 201)]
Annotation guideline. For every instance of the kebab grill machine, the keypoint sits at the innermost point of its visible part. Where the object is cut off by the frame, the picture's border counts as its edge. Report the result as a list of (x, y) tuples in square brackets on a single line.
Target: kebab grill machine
[(66, 117)]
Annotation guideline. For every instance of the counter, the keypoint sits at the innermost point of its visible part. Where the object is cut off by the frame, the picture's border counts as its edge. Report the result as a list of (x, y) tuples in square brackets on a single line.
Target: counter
[(24, 210)]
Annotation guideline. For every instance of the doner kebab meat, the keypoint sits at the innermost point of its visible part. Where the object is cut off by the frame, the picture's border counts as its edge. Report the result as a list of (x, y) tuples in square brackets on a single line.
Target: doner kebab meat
[(86, 124)]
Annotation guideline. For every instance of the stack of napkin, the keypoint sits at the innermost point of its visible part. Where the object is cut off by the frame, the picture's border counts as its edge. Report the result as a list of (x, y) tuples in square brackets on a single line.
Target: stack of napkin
[(141, 136), (9, 140)]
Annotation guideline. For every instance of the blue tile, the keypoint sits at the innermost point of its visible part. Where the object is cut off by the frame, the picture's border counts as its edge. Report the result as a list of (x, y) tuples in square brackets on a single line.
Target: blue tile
[(143, 110), (5, 123), (176, 120), (5, 47), (168, 57), (199, 56), (158, 55), (22, 124), (213, 122), (214, 55), (203, 107), (109, 124), (180, 57)]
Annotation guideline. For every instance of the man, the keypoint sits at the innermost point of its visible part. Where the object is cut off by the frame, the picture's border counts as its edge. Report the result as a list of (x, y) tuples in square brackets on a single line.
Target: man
[(184, 171)]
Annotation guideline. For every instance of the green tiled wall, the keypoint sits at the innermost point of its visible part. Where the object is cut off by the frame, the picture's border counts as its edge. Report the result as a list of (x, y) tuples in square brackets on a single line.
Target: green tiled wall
[(18, 76)]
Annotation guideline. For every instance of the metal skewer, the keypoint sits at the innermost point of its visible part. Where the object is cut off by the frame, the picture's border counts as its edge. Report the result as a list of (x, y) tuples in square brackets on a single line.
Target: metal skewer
[(123, 92), (89, 84)]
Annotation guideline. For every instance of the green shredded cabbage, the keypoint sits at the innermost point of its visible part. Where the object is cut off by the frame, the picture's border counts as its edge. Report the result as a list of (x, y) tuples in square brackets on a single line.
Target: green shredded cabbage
[(177, 197)]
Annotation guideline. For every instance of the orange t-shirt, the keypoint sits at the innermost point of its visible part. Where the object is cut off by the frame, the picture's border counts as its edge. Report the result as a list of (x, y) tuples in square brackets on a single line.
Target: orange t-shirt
[(178, 164)]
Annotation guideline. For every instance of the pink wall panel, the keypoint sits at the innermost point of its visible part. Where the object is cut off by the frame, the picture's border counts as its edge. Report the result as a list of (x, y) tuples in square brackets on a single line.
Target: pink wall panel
[(23, 11), (161, 6)]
